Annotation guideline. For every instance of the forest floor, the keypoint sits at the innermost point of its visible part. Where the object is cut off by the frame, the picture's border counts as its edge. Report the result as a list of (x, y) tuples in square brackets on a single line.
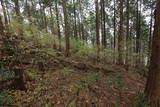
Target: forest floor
[(73, 82)]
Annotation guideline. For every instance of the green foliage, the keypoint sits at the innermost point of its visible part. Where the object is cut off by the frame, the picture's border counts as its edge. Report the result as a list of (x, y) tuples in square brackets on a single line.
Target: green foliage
[(48, 76), (118, 81), (81, 49), (73, 104), (17, 95), (76, 44), (39, 89), (48, 105), (48, 39), (32, 35), (66, 71), (6, 75), (5, 98), (87, 81), (141, 101), (16, 27), (85, 51), (32, 73)]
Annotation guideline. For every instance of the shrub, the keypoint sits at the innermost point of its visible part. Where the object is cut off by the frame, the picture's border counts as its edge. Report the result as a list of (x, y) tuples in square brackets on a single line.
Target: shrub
[(5, 98), (39, 89), (141, 101), (66, 71), (32, 73)]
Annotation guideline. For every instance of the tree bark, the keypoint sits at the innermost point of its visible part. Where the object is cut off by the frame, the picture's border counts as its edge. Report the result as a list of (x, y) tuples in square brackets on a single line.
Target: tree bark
[(150, 34), (75, 20), (138, 27), (58, 26), (127, 33), (4, 12), (152, 89), (67, 51), (114, 22), (97, 27), (17, 10), (19, 81), (81, 21), (52, 28), (18, 72), (28, 12), (103, 24), (121, 35)]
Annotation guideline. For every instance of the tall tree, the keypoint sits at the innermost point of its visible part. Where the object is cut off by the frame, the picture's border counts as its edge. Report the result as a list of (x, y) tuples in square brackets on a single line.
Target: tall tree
[(58, 25), (67, 47), (17, 10), (17, 63), (138, 26), (121, 35), (152, 90), (103, 23), (4, 12), (52, 27), (81, 16), (114, 24), (127, 33), (151, 32), (97, 27), (75, 20)]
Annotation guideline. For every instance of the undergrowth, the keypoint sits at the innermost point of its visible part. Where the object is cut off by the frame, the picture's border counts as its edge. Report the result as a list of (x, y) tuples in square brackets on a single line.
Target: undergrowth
[(66, 71), (87, 81)]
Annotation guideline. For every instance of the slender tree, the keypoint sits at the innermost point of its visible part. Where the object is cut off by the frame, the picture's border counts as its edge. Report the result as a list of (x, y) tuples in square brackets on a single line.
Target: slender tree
[(75, 20), (138, 26), (4, 12), (121, 35), (17, 63), (52, 27), (58, 25), (17, 10), (67, 48), (103, 23), (150, 32), (114, 24), (127, 32), (97, 27)]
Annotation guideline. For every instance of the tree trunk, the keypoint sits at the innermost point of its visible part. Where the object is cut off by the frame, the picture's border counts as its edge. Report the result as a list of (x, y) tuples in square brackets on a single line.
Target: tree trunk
[(150, 34), (81, 21), (67, 51), (18, 72), (9, 18), (1, 28), (19, 80), (121, 35), (4, 12), (58, 26), (127, 33), (97, 27), (52, 28), (103, 27), (28, 12), (45, 19), (152, 90), (114, 22), (17, 10), (104, 24), (75, 21), (137, 28)]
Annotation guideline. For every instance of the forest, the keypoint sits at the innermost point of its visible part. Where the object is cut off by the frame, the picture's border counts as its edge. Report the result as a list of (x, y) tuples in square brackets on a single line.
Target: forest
[(79, 53)]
